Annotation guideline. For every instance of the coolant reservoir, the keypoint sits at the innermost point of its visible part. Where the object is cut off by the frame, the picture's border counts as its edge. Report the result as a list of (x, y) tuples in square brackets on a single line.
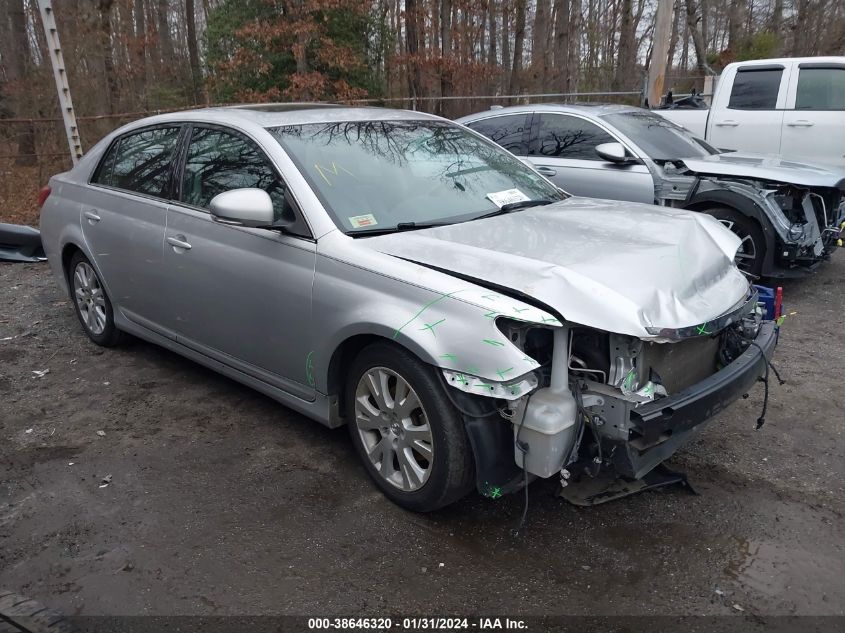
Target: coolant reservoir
[(549, 424)]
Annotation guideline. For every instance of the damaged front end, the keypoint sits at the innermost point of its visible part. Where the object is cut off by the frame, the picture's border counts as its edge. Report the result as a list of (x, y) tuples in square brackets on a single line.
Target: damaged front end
[(802, 224), (601, 404)]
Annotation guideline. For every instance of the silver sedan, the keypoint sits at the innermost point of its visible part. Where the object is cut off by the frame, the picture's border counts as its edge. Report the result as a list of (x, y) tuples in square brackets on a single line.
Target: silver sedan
[(391, 271)]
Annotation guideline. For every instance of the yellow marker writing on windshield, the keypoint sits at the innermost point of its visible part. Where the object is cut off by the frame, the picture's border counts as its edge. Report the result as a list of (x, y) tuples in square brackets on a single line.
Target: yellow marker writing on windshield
[(334, 169)]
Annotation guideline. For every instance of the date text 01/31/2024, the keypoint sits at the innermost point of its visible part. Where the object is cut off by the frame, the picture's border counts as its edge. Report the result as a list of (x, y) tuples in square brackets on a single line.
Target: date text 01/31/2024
[(417, 624)]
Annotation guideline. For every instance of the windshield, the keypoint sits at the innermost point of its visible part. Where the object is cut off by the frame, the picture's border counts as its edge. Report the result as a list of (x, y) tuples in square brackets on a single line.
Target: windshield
[(659, 138), (375, 175)]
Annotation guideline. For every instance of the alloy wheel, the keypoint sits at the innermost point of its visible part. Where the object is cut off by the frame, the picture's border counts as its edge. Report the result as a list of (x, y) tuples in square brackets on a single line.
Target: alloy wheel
[(90, 298), (746, 254), (394, 428)]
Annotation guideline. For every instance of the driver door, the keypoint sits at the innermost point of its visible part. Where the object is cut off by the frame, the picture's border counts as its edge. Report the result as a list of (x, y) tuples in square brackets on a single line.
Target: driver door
[(563, 148), (241, 296)]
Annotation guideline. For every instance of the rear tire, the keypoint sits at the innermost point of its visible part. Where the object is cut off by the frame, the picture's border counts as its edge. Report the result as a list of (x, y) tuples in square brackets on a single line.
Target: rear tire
[(21, 615), (91, 302), (751, 253), (406, 431)]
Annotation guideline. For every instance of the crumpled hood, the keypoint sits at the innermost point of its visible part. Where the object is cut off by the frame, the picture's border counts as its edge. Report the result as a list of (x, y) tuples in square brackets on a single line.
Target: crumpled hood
[(767, 167), (617, 266)]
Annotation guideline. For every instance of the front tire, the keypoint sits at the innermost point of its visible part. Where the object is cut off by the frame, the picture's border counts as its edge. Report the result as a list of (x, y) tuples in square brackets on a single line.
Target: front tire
[(406, 431), (752, 251), (91, 302)]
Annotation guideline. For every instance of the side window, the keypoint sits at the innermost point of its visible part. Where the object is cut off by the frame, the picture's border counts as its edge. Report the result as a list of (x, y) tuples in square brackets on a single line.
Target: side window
[(507, 130), (755, 89), (821, 89), (218, 161), (140, 162), (562, 136)]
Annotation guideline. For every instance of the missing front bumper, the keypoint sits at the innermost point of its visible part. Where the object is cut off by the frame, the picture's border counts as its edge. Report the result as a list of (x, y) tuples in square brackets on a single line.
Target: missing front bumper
[(657, 429)]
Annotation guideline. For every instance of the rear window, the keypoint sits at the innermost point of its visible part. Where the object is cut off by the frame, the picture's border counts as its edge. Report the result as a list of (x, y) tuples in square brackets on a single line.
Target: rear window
[(756, 89), (140, 162), (507, 130), (821, 89)]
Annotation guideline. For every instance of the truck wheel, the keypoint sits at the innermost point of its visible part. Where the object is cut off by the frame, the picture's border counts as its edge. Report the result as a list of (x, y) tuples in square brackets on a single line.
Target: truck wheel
[(21, 615), (749, 257), (406, 431)]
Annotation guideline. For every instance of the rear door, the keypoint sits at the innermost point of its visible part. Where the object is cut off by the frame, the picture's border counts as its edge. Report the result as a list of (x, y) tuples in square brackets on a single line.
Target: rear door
[(563, 148), (814, 121), (748, 114), (239, 295), (123, 217)]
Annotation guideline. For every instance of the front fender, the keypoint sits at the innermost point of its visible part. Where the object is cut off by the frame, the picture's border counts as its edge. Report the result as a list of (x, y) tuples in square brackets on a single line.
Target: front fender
[(452, 327), (700, 199)]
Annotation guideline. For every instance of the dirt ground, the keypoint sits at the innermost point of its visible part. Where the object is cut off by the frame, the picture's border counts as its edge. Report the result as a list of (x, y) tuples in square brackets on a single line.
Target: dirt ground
[(222, 502)]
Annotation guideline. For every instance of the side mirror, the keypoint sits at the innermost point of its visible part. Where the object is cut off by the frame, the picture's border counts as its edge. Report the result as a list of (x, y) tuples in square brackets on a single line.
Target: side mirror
[(613, 152), (243, 207)]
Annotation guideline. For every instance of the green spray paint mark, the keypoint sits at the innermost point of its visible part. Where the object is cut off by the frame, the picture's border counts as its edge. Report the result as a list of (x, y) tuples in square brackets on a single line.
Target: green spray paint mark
[(495, 493), (702, 329), (483, 385), (501, 372), (472, 370), (520, 310), (493, 343), (309, 368), (492, 314), (515, 390), (528, 359), (462, 380), (551, 320), (450, 357), (629, 379), (423, 309), (431, 326), (490, 297)]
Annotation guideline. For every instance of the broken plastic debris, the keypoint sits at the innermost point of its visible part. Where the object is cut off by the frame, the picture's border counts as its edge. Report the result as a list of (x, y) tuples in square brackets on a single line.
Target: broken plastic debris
[(719, 592), (101, 433), (70, 463), (40, 373), (28, 431), (442, 565), (648, 392), (107, 383), (8, 338), (738, 607), (105, 481)]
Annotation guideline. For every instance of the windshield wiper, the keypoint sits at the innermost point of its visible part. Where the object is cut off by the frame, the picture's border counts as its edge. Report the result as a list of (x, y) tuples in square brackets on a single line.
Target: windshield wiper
[(401, 226), (516, 206)]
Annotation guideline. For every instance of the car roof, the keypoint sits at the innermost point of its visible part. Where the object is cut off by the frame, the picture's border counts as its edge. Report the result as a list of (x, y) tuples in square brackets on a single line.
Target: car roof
[(269, 115), (590, 109)]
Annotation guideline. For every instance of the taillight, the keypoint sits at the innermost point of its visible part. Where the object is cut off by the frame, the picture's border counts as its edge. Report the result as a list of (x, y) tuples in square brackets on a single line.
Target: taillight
[(43, 195)]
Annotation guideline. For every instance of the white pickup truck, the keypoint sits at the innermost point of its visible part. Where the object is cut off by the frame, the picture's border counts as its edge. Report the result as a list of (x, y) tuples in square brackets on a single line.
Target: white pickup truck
[(794, 107)]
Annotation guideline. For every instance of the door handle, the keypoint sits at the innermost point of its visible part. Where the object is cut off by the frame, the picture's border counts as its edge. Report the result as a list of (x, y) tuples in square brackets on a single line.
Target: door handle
[(92, 216), (179, 242), (801, 123), (727, 123), (546, 171)]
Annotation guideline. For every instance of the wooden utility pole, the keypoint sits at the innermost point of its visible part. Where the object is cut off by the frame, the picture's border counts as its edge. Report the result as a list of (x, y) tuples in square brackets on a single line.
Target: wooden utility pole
[(659, 51), (54, 50)]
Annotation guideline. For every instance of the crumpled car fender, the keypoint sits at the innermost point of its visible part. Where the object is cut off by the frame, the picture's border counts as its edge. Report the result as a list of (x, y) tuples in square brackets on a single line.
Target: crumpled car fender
[(445, 321)]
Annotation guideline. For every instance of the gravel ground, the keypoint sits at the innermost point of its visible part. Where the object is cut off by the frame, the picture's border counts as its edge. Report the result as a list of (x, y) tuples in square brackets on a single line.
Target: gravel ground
[(222, 502)]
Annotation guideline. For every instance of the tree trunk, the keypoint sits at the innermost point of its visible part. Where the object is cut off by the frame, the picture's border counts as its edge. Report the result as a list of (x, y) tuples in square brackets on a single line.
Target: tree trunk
[(193, 54), (518, 43), (412, 48), (697, 38), (540, 45), (104, 7), (445, 53), (140, 60), (19, 69), (561, 44), (626, 58), (165, 38)]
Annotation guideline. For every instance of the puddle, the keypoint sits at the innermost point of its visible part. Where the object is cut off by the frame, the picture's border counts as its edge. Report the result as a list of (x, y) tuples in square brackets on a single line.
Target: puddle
[(803, 580)]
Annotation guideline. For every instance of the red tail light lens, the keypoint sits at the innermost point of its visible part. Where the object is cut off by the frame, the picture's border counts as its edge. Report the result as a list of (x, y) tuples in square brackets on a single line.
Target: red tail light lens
[(43, 195)]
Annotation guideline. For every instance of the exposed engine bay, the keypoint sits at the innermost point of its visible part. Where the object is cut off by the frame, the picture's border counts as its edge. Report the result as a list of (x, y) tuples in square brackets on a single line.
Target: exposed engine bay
[(807, 220), (607, 403)]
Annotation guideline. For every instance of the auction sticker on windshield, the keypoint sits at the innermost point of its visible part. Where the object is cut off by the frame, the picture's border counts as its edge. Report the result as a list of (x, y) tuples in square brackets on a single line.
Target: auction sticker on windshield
[(508, 196), (360, 221)]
